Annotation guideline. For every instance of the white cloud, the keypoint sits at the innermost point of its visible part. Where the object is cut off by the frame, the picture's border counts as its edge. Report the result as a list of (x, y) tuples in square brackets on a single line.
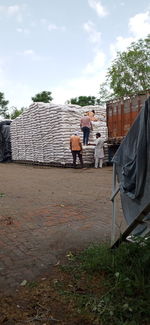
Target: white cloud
[(19, 94), (33, 24), (1, 9), (120, 44), (83, 85), (139, 25), (13, 11), (92, 75), (28, 52), (19, 30), (31, 54), (88, 83), (96, 65), (98, 7), (52, 27), (43, 21), (23, 30), (2, 74), (94, 36)]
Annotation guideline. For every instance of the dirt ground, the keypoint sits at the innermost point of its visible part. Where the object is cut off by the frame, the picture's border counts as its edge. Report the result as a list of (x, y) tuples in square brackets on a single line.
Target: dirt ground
[(47, 212)]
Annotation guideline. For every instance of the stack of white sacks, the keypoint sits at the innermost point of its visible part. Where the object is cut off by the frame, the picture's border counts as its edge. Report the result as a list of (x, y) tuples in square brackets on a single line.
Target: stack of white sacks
[(42, 133)]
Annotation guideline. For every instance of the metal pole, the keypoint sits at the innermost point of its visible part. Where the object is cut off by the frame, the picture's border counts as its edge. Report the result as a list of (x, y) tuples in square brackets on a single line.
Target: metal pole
[(113, 230)]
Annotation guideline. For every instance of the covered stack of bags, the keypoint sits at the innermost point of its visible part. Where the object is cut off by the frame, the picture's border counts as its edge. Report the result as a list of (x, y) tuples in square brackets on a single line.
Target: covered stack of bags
[(42, 133)]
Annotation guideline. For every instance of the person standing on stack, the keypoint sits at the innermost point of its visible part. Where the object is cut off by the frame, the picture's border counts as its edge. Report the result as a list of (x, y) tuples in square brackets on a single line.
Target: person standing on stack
[(99, 151), (76, 148), (86, 126), (92, 116)]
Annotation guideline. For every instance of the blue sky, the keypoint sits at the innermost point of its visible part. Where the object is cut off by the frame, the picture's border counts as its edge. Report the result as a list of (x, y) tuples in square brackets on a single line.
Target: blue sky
[(64, 46)]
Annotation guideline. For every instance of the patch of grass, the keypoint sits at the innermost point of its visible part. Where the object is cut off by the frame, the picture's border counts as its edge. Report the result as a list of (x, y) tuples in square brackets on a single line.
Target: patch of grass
[(32, 284), (112, 286), (2, 194)]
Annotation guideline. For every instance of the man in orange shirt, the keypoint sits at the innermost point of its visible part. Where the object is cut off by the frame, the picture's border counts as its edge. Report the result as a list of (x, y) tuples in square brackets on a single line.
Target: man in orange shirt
[(76, 149)]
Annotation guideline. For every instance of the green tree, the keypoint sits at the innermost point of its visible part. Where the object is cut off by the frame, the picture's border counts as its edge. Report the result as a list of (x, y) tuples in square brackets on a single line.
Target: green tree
[(83, 101), (130, 71), (3, 106), (104, 94), (44, 96), (16, 112)]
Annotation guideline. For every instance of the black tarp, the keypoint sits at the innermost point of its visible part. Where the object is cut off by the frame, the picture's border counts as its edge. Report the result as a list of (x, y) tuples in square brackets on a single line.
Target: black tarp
[(5, 144), (132, 161)]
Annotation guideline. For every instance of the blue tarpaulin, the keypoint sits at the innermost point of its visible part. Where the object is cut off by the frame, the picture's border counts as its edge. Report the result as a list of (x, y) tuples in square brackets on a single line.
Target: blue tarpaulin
[(5, 144)]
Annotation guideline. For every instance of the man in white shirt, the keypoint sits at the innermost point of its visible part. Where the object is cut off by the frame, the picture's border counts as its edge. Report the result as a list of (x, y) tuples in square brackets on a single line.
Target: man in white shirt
[(99, 151)]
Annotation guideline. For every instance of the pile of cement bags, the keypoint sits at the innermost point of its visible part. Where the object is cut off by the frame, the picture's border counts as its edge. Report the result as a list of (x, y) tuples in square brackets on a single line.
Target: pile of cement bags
[(42, 133)]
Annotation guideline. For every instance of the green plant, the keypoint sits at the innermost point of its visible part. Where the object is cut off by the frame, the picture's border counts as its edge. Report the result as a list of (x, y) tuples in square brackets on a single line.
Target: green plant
[(2, 194), (123, 278)]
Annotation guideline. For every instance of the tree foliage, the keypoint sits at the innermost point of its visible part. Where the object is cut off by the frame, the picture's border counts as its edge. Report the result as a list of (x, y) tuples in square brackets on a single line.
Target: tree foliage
[(84, 101), (130, 71), (104, 94), (16, 112), (44, 96), (3, 106)]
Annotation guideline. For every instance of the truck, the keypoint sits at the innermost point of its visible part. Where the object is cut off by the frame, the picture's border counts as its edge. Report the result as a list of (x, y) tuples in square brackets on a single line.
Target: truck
[(121, 113)]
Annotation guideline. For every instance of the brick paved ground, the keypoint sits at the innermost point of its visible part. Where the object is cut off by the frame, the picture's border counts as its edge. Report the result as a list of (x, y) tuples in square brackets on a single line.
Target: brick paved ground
[(45, 212)]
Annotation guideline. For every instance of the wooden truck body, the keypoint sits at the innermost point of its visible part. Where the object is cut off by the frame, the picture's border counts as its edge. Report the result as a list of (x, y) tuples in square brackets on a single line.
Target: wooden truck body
[(121, 114)]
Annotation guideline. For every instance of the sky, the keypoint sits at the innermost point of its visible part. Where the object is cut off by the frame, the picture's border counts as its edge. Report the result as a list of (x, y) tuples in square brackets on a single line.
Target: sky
[(64, 46)]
